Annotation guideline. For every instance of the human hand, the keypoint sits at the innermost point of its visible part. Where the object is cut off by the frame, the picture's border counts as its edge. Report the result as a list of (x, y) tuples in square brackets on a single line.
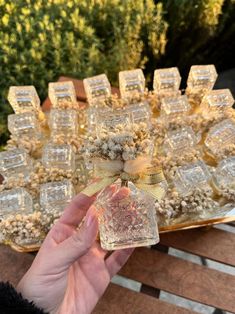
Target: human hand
[(71, 271)]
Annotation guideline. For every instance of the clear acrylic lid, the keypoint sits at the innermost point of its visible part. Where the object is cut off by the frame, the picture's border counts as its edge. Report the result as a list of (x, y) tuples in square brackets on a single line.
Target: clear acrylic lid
[(14, 201), (60, 92), (166, 80), (59, 156), (190, 176), (131, 82), (202, 77), (175, 106), (113, 122), (63, 121), (23, 99), (24, 124), (55, 195), (141, 112), (225, 172), (14, 161), (217, 99), (97, 88), (180, 140), (220, 135)]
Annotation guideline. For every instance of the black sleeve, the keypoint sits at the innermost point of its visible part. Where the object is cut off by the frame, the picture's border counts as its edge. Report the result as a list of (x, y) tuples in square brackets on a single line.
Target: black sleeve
[(12, 302)]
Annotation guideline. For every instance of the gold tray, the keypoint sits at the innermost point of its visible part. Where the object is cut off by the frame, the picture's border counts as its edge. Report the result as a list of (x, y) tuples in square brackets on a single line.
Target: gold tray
[(229, 217)]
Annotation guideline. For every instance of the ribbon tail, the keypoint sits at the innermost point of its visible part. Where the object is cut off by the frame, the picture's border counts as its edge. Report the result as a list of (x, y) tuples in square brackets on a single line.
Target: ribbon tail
[(95, 187), (155, 190)]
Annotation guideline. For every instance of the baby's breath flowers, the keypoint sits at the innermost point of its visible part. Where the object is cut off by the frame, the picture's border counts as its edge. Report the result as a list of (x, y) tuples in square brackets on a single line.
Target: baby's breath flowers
[(227, 194), (31, 145), (27, 229), (123, 144), (171, 162), (175, 208)]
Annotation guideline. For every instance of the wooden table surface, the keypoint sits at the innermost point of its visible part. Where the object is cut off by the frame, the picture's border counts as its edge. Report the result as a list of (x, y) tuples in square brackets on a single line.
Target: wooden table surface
[(156, 270)]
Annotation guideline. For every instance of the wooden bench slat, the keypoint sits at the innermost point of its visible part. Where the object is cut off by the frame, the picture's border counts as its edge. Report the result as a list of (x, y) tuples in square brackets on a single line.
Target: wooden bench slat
[(215, 244), (181, 278), (118, 300), (13, 265)]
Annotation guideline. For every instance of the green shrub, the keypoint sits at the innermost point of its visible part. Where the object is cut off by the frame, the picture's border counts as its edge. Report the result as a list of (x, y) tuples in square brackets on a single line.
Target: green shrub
[(40, 40)]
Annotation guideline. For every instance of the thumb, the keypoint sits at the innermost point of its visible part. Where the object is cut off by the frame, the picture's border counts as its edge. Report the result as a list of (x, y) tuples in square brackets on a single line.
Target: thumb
[(80, 242)]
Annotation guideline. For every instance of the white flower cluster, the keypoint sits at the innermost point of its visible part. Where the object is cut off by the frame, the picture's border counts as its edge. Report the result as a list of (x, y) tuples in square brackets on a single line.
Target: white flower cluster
[(228, 193), (27, 229), (170, 163), (174, 208), (121, 144)]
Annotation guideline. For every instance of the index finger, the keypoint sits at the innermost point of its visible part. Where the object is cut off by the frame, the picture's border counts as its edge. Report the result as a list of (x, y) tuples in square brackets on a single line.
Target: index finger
[(76, 209)]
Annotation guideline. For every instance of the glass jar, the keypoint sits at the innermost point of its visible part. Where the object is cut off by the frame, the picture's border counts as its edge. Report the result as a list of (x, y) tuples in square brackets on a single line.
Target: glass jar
[(127, 217)]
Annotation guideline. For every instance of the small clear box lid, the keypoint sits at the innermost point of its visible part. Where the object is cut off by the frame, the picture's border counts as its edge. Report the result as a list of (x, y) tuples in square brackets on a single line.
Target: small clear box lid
[(63, 121), (140, 112), (118, 122), (24, 124), (56, 195), (14, 162), (175, 106), (15, 201), (190, 176), (225, 173), (60, 92), (201, 77), (131, 82), (23, 99), (180, 140), (220, 136), (166, 80), (94, 113), (97, 88), (217, 99), (59, 156)]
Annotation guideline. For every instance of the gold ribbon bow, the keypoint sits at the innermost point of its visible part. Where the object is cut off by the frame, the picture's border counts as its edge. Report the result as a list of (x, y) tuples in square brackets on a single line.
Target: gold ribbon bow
[(147, 178)]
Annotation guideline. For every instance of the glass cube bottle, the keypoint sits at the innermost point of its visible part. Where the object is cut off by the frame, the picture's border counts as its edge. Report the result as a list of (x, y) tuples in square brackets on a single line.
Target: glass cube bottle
[(201, 77), (54, 196), (217, 100), (220, 137), (140, 112), (63, 122), (166, 80), (174, 107), (15, 162), (61, 92), (127, 217), (60, 156), (15, 201), (131, 82), (24, 99), (180, 140), (224, 175), (113, 123), (24, 124), (97, 89), (191, 176)]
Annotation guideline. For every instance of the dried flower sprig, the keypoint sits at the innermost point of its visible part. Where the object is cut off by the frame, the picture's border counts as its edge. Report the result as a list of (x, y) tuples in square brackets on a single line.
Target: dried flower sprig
[(171, 162), (123, 144), (27, 229), (30, 144), (227, 193), (175, 208)]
